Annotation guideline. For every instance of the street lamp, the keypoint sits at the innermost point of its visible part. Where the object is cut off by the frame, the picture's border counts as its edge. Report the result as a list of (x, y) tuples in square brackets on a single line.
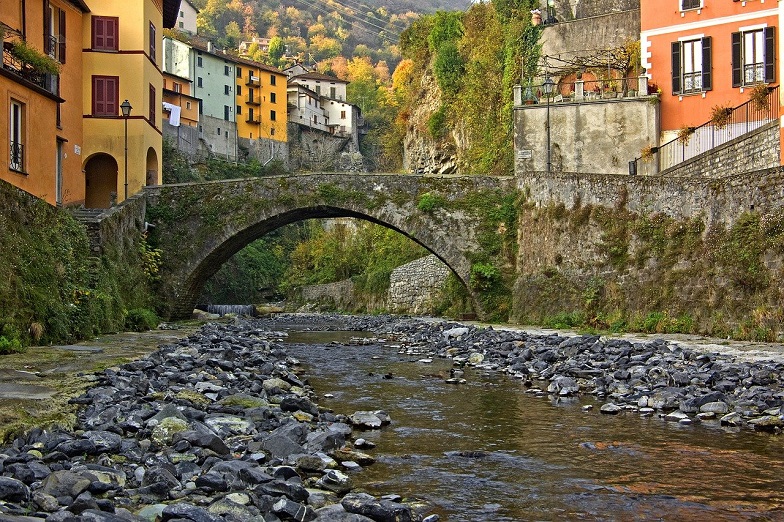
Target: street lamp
[(548, 90), (126, 112), (550, 13)]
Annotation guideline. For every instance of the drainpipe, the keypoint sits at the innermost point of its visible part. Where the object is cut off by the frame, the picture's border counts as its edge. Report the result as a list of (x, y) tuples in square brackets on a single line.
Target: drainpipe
[(24, 20)]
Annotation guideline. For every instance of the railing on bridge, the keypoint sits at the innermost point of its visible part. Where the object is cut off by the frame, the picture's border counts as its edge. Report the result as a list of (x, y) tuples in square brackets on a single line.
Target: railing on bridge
[(741, 120)]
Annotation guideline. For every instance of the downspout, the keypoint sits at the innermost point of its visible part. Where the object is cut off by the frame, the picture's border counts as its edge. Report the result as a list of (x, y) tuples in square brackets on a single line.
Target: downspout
[(24, 20)]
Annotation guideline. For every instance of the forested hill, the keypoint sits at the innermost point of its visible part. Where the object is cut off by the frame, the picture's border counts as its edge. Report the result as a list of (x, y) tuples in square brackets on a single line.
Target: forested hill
[(318, 30)]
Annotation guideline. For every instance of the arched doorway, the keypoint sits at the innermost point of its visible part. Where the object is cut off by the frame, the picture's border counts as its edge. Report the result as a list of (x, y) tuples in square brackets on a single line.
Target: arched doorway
[(100, 181), (151, 167)]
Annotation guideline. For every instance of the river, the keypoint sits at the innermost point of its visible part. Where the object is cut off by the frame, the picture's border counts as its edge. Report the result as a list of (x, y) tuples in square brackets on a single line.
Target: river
[(536, 458)]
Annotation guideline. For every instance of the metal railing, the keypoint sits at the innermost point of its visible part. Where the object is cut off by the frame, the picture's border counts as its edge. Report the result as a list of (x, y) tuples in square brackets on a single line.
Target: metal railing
[(742, 119), (23, 70), (17, 156), (586, 90)]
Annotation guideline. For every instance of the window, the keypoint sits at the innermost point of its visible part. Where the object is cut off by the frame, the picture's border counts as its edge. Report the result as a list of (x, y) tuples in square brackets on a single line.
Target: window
[(54, 37), (753, 57), (239, 72), (273, 97), (227, 113), (198, 82), (153, 39), (219, 132), (272, 131), (187, 105), (318, 90), (239, 90), (272, 79), (272, 115), (182, 25), (332, 92), (176, 87), (106, 92), (691, 4), (226, 70), (342, 115), (226, 90), (691, 66), (239, 110), (16, 136), (105, 35), (199, 62), (152, 105)]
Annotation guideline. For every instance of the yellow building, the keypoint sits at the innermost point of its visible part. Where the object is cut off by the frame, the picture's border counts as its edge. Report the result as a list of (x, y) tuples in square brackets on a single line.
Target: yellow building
[(121, 62), (42, 130), (261, 102)]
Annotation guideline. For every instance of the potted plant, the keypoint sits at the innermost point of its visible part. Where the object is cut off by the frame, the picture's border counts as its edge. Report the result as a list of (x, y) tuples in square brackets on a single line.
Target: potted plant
[(32, 58), (646, 153), (684, 134), (720, 115), (759, 96)]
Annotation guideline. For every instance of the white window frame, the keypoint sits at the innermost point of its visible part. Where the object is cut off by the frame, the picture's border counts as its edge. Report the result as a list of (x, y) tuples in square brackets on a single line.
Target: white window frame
[(16, 135), (753, 56), (691, 66), (681, 2)]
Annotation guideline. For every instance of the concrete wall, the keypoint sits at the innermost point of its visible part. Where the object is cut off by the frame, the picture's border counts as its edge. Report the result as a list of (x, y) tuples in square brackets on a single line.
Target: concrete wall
[(593, 136), (572, 9), (414, 286), (220, 136), (187, 140), (583, 36)]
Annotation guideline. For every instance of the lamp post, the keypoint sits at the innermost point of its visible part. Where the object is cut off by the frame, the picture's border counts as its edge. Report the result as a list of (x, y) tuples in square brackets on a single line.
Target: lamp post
[(550, 13), (126, 112), (548, 90)]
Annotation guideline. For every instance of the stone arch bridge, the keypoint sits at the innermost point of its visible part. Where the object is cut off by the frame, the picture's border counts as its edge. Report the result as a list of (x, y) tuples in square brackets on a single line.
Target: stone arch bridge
[(199, 226)]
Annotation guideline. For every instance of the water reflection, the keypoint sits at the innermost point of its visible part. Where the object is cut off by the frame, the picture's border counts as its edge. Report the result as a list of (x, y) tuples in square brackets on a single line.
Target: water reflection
[(543, 459)]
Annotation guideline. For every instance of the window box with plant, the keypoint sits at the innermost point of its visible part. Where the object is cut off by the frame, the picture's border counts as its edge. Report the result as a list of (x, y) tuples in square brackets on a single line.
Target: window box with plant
[(26, 61)]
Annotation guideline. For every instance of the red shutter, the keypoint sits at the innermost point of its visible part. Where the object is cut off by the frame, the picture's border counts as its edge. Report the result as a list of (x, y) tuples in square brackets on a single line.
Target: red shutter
[(152, 42), (106, 91), (111, 26), (99, 40), (99, 96), (152, 105)]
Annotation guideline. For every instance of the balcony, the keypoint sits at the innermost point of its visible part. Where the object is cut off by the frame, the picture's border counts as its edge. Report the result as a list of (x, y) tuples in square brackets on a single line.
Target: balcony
[(27, 72), (252, 118), (252, 81), (17, 156), (253, 99)]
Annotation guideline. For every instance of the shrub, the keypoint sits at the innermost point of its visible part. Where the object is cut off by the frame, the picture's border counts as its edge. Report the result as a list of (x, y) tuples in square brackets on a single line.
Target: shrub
[(10, 345), (140, 320), (429, 202)]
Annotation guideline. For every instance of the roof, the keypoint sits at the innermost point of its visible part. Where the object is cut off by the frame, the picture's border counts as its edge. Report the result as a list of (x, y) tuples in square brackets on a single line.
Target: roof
[(203, 45), (80, 5), (318, 77), (171, 8), (193, 6)]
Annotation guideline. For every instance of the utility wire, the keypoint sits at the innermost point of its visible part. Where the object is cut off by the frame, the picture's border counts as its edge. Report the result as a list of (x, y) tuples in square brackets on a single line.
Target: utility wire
[(349, 15)]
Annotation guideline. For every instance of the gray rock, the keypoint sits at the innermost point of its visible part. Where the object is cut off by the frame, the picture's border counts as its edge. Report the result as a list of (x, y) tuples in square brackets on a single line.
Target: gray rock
[(610, 409), (370, 419), (186, 511), (381, 511), (337, 513), (714, 407), (13, 490), (290, 510), (65, 484)]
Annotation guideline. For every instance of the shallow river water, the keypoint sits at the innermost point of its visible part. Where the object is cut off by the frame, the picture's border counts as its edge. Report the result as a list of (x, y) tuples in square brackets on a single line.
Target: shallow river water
[(542, 459)]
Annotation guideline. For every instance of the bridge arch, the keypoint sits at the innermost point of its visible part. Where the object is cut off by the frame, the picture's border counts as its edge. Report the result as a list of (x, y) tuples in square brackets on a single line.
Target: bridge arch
[(200, 226)]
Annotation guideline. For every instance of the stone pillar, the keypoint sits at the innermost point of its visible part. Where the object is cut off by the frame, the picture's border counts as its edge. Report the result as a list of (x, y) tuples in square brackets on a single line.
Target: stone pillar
[(518, 95), (642, 86), (579, 89)]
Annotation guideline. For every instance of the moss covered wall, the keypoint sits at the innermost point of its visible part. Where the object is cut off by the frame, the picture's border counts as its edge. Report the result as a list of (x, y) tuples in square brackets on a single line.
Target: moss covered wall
[(53, 286), (703, 260)]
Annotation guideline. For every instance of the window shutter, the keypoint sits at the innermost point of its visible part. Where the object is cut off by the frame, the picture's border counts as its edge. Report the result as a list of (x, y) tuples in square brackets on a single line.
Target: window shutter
[(112, 93), (99, 40), (61, 50), (707, 76), (99, 96), (111, 30), (770, 54), (47, 29), (737, 61), (152, 42), (676, 67), (152, 105)]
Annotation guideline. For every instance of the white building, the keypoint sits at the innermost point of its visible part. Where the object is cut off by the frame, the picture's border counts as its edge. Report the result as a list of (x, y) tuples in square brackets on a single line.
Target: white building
[(186, 20), (323, 85), (305, 108)]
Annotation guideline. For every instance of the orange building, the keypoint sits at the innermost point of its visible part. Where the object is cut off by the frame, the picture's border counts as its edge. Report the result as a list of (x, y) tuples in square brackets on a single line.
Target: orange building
[(41, 129), (177, 94), (706, 53)]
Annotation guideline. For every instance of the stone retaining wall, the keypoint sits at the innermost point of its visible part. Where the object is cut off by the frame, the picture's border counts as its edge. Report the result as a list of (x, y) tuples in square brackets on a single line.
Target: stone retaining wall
[(414, 286), (339, 294)]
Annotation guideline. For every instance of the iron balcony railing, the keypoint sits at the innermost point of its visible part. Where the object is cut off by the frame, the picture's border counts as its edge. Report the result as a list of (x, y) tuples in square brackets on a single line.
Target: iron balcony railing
[(585, 91), (17, 156), (44, 80), (742, 119)]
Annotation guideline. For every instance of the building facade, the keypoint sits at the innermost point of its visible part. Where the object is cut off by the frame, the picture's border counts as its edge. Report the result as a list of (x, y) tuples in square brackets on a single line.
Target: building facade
[(42, 127), (706, 53)]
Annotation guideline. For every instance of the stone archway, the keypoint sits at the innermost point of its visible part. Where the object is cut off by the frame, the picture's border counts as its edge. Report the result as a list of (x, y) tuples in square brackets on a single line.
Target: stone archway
[(100, 173), (151, 168)]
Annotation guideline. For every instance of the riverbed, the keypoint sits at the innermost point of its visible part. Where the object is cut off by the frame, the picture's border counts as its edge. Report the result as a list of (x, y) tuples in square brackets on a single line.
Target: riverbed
[(487, 450)]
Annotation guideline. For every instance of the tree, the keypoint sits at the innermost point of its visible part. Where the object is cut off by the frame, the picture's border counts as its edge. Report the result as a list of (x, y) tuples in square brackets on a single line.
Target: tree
[(276, 50)]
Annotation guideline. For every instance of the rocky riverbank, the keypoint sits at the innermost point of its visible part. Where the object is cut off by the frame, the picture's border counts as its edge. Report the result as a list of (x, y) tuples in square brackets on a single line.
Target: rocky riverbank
[(647, 377), (214, 427), (217, 426)]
